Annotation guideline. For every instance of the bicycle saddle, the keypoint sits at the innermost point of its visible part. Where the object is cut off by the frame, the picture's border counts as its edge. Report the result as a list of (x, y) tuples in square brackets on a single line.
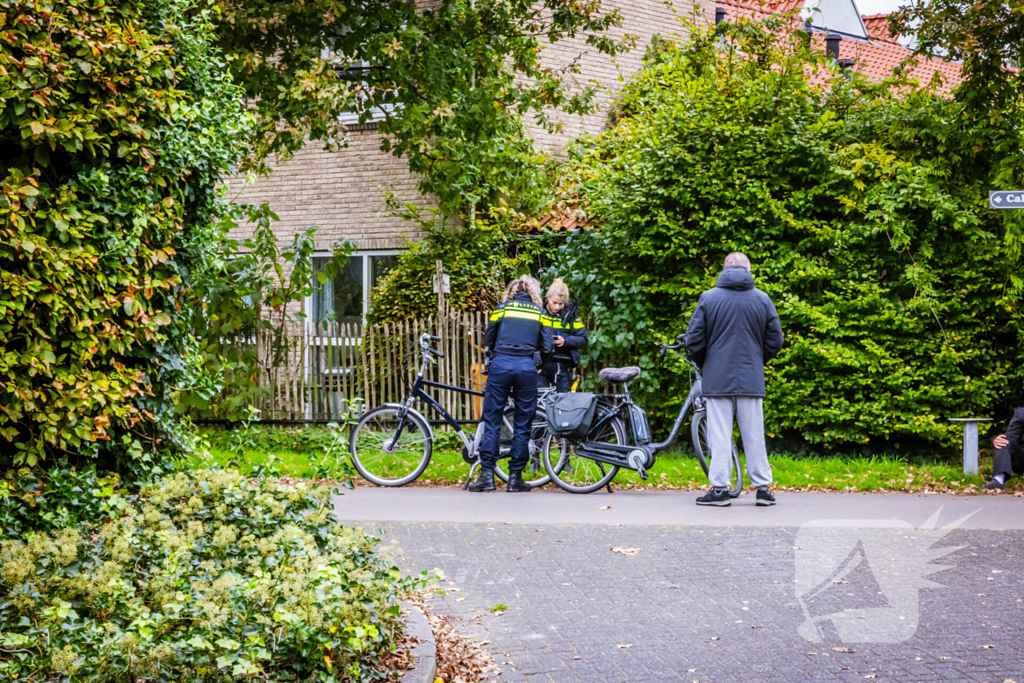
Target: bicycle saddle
[(620, 374)]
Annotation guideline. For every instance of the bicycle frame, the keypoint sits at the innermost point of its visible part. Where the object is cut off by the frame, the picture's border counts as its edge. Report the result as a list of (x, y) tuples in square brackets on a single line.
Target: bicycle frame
[(417, 392), (638, 457)]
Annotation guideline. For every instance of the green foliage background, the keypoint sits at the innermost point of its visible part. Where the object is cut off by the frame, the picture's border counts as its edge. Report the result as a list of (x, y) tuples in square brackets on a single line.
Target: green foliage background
[(479, 257), (116, 121), (863, 208)]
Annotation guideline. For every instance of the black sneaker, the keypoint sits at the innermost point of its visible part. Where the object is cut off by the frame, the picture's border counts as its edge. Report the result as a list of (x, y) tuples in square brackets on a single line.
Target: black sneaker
[(994, 485), (765, 497), (716, 498)]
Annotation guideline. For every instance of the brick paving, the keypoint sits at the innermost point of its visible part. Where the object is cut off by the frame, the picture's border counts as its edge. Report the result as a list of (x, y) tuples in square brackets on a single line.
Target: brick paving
[(702, 603)]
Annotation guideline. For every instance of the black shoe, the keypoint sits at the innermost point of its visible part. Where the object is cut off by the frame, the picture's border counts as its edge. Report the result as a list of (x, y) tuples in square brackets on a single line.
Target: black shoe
[(994, 485), (716, 498), (516, 483), (765, 497), (485, 482)]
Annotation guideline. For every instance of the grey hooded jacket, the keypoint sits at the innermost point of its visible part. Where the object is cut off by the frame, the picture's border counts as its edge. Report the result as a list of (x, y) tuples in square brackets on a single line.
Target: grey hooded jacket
[(732, 334)]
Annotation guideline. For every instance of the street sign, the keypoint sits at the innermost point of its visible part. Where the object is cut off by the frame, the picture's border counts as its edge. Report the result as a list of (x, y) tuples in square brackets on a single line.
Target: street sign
[(1006, 199)]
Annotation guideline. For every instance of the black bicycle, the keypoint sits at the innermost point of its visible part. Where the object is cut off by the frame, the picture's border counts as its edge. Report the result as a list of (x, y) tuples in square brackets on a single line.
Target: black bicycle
[(391, 444), (619, 438)]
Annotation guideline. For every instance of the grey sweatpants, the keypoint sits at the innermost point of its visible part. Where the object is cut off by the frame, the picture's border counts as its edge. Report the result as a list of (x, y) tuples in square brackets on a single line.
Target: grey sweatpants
[(749, 413)]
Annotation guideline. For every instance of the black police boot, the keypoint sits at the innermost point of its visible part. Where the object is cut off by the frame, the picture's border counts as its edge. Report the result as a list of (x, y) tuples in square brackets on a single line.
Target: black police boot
[(485, 482), (516, 483)]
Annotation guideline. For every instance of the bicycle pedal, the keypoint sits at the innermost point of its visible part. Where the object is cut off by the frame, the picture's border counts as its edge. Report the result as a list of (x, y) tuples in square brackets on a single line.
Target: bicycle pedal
[(636, 460)]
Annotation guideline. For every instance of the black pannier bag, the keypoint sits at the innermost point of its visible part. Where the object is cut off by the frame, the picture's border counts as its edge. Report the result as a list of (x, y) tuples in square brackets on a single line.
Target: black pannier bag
[(570, 415)]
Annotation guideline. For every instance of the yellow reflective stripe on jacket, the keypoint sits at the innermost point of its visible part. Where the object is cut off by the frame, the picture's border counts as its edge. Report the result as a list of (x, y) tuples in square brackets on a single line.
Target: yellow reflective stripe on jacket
[(559, 325), (519, 312), (528, 315)]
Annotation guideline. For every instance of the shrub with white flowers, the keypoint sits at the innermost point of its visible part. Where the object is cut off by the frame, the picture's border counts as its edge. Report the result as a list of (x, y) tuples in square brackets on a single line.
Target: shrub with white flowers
[(207, 576)]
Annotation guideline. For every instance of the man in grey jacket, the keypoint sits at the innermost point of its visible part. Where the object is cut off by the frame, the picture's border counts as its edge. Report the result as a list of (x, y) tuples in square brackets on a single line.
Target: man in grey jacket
[(732, 334)]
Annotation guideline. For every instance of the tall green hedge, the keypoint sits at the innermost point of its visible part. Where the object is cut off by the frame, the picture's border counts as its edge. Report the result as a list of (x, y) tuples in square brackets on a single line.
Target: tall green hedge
[(115, 124), (863, 208)]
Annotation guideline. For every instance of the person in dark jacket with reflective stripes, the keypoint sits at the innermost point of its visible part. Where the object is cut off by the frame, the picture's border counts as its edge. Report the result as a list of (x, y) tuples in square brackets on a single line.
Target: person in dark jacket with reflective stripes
[(516, 339), (732, 334), (570, 335)]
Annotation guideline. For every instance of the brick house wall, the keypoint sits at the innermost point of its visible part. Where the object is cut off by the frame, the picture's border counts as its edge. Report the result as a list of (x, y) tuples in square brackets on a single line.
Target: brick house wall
[(343, 192), (640, 18)]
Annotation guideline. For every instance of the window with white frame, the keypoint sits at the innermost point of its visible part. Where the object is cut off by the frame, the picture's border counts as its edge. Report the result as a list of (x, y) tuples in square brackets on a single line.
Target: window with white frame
[(345, 298)]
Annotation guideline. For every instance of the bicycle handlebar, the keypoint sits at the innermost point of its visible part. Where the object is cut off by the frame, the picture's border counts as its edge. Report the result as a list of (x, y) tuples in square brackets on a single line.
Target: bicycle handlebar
[(675, 347), (426, 343), (670, 347)]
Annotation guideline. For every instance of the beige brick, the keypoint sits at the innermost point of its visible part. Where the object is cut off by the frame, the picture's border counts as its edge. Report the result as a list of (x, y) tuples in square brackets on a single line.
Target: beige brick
[(343, 193)]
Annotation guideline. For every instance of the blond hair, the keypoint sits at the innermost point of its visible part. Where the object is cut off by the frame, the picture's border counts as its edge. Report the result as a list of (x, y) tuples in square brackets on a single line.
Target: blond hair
[(524, 284), (559, 288)]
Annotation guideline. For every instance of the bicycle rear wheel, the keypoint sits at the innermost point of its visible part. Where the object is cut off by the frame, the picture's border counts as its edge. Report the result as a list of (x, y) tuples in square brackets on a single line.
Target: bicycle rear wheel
[(699, 432), (576, 473), (535, 475), (382, 461)]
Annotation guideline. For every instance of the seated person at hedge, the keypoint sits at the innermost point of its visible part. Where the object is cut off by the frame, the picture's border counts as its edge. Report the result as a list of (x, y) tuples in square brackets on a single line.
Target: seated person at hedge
[(1009, 457), (570, 337)]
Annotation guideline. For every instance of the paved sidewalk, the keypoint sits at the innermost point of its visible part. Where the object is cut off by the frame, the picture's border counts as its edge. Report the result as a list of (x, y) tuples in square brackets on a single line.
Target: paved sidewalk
[(670, 507), (710, 596)]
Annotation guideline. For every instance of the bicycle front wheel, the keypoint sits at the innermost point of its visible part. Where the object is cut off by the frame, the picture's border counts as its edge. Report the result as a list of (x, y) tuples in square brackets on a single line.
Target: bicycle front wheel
[(382, 459), (699, 432), (535, 475), (576, 473)]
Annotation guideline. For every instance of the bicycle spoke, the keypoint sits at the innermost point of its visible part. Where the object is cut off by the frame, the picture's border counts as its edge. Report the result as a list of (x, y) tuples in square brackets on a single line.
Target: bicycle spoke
[(382, 461)]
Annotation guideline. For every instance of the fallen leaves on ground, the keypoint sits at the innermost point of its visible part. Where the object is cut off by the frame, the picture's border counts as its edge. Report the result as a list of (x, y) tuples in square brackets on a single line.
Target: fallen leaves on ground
[(459, 659), (399, 659), (625, 551)]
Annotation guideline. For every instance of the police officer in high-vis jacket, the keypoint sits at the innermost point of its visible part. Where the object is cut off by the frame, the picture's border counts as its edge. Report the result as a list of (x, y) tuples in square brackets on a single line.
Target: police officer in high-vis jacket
[(516, 340), (570, 335)]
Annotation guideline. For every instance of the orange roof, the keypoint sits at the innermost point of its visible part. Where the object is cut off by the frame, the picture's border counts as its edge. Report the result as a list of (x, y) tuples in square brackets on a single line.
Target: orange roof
[(784, 5), (878, 27), (562, 218), (874, 59)]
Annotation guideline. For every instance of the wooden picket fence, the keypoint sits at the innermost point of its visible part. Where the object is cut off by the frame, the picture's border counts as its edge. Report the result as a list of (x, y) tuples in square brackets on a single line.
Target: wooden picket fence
[(333, 371)]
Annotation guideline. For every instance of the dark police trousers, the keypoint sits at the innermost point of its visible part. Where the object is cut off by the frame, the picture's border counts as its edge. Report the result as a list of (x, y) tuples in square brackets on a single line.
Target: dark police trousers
[(558, 375), (515, 375)]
